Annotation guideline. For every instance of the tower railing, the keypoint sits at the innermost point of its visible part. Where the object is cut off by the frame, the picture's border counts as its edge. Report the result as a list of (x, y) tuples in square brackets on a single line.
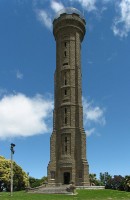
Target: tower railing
[(69, 10)]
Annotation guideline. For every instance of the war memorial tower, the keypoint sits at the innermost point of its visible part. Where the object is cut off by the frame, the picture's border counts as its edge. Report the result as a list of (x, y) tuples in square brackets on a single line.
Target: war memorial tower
[(68, 140)]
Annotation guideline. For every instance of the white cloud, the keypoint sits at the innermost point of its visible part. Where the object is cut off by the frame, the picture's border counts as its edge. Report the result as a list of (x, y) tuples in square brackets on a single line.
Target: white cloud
[(44, 18), (19, 75), (121, 25), (92, 115), (53, 6), (24, 116), (88, 5), (107, 1), (90, 132), (56, 6)]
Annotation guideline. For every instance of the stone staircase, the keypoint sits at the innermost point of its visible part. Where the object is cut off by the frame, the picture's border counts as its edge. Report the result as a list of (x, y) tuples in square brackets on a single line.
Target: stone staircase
[(50, 190)]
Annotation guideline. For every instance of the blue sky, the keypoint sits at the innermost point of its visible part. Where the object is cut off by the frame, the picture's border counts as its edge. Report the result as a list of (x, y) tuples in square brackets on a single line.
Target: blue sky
[(27, 65)]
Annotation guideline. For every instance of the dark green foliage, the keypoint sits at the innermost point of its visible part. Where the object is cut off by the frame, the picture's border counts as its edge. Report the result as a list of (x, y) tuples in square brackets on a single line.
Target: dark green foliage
[(34, 182), (20, 178), (118, 182), (127, 183), (94, 181), (104, 178), (115, 183)]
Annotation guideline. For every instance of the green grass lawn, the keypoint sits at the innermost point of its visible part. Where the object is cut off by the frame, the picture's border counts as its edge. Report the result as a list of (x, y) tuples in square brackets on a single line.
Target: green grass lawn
[(82, 195)]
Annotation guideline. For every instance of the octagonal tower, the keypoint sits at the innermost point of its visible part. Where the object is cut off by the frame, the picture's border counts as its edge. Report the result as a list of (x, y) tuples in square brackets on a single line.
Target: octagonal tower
[(68, 140)]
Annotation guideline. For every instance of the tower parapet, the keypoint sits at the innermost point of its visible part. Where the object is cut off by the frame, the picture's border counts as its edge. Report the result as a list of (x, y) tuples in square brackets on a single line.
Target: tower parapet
[(69, 18)]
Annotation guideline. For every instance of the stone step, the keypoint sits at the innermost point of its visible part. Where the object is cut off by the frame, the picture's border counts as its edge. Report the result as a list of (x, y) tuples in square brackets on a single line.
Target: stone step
[(49, 190)]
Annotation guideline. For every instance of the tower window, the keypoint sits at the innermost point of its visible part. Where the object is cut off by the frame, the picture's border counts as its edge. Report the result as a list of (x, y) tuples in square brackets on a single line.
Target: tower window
[(65, 64), (66, 144), (65, 149), (52, 175), (65, 82), (65, 120), (65, 139), (65, 78), (80, 174), (65, 110), (65, 44), (65, 53), (65, 92)]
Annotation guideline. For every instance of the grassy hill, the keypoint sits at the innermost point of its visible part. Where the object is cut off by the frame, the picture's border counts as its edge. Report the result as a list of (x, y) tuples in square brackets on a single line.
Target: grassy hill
[(82, 195)]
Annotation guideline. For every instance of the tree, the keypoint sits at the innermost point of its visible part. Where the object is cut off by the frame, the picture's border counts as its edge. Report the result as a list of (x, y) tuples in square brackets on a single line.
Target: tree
[(35, 182), (104, 178), (115, 183), (118, 182), (20, 177), (93, 180), (127, 183)]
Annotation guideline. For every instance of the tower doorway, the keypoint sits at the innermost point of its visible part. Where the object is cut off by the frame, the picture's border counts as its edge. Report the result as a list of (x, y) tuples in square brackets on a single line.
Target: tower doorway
[(66, 177)]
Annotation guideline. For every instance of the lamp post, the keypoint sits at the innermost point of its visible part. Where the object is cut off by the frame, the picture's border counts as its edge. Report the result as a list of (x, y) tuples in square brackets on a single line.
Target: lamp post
[(28, 180), (11, 180)]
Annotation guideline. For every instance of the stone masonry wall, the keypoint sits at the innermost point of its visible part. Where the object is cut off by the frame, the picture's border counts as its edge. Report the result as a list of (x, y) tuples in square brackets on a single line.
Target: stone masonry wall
[(68, 141)]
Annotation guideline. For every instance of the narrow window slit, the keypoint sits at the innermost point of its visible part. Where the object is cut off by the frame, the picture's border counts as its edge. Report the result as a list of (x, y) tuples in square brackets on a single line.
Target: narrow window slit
[(65, 120), (65, 64), (65, 110), (65, 92), (65, 53)]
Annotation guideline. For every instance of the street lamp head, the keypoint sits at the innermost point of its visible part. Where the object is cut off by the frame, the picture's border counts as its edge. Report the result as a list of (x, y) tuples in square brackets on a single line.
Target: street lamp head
[(12, 148), (13, 145)]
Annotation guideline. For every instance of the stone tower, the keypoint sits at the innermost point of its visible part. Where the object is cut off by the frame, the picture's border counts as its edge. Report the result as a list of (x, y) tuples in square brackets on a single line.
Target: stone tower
[(68, 140)]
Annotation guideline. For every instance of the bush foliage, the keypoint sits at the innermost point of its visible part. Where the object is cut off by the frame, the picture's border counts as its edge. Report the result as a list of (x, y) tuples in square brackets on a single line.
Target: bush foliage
[(20, 178), (34, 182), (117, 182)]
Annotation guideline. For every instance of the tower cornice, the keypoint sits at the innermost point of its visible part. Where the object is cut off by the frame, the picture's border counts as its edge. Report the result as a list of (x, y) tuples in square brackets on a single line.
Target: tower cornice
[(66, 22)]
